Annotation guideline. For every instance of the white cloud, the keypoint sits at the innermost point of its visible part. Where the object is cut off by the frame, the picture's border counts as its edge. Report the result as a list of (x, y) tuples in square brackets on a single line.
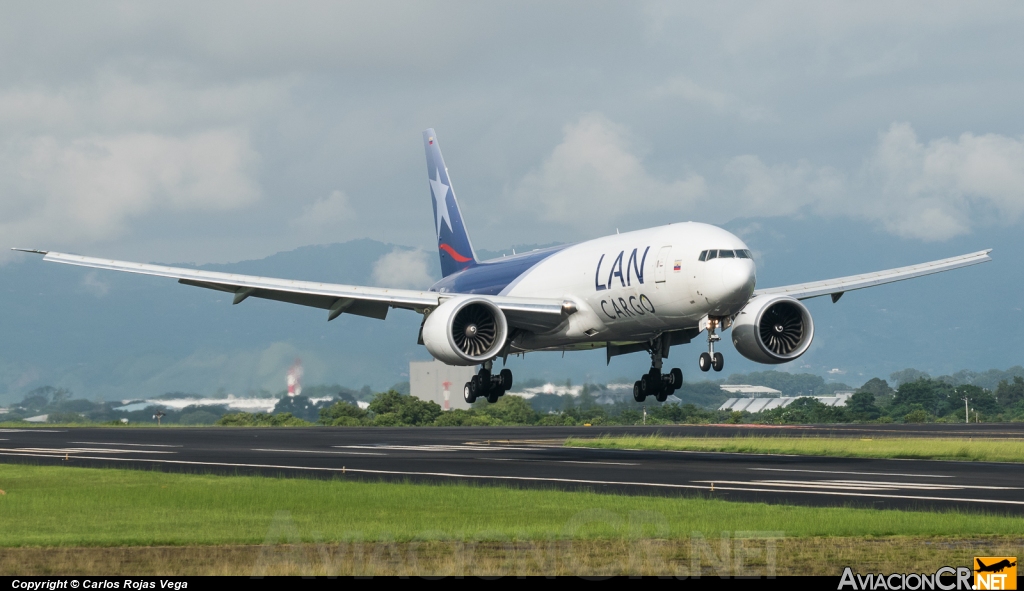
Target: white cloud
[(780, 189), (593, 172), (930, 191), (325, 213), (721, 102), (946, 187), (115, 102), (94, 285), (87, 189), (402, 268)]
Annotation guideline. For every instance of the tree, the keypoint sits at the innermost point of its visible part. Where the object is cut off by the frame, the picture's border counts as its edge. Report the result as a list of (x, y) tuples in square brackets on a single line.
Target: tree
[(404, 410), (245, 419), (935, 397), (512, 410), (300, 406), (979, 399), (919, 415), (908, 375), (342, 414), (60, 395), (878, 387), (862, 407), (1007, 393)]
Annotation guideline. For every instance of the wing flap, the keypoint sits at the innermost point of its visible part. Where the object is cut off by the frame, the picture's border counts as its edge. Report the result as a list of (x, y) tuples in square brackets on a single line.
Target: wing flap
[(836, 287)]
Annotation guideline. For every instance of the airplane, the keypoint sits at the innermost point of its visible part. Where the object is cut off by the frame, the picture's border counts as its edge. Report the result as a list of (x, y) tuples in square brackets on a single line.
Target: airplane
[(646, 290), (994, 568)]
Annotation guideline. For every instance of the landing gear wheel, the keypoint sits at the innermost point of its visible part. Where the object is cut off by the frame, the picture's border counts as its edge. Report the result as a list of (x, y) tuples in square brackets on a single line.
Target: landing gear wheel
[(704, 361), (638, 393), (647, 385), (506, 379), (469, 393), (493, 395), (675, 378), (718, 362), (662, 396)]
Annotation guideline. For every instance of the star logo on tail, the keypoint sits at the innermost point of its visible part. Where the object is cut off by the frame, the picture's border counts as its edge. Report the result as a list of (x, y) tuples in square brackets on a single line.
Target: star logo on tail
[(440, 201)]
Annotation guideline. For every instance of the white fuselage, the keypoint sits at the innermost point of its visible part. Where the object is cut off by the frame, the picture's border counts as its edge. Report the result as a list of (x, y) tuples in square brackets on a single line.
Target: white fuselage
[(637, 285)]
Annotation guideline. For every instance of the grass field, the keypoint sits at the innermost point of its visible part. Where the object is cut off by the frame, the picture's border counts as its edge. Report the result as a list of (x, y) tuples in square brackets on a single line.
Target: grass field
[(980, 450), (65, 519)]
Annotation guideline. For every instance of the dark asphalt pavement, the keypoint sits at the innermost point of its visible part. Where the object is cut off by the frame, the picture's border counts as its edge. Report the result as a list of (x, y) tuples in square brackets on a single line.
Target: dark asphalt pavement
[(534, 457)]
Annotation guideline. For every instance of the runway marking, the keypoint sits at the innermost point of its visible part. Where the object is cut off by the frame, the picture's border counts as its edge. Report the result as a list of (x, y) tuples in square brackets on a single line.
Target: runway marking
[(130, 444), (559, 461), (76, 450), (315, 451), (436, 448), (30, 431), (538, 479), (856, 473), (858, 485)]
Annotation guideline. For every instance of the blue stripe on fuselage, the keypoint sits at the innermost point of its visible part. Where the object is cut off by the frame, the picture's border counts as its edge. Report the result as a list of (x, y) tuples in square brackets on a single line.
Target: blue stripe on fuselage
[(490, 277)]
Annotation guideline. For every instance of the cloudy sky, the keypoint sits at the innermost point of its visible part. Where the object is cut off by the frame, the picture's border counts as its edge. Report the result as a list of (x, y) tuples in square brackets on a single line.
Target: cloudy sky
[(221, 131)]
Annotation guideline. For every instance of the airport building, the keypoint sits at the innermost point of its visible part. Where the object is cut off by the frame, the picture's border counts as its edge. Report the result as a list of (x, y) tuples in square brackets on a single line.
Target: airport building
[(745, 390), (440, 383), (758, 404)]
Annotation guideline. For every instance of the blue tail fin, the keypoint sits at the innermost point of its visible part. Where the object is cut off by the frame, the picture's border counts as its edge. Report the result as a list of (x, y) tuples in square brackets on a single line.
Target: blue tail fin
[(452, 239)]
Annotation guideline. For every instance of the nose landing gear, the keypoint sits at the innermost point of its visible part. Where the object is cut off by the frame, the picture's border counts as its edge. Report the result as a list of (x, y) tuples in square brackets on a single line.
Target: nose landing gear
[(654, 383), (487, 385), (711, 360)]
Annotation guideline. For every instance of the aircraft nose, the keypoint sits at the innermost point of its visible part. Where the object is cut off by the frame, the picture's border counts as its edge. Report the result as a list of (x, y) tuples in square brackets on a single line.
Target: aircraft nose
[(738, 279)]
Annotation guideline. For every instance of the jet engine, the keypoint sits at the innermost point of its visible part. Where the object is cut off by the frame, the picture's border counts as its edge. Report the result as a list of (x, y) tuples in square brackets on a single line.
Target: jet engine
[(772, 329), (465, 331)]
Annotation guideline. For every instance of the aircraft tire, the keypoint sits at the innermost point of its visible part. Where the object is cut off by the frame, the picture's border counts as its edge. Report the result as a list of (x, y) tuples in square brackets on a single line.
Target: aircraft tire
[(638, 394), (493, 396), (675, 378), (704, 361), (718, 362), (647, 385), (506, 379), (662, 396), (469, 393)]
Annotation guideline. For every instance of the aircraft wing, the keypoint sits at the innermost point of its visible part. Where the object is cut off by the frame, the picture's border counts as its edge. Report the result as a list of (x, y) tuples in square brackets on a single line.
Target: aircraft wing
[(373, 302), (837, 287)]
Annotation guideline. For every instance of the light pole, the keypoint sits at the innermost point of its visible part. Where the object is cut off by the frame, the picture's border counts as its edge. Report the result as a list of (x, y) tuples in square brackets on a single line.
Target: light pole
[(967, 414)]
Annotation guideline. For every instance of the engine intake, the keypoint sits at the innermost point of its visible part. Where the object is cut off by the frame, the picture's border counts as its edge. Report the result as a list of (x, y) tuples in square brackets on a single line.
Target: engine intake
[(773, 329), (465, 331)]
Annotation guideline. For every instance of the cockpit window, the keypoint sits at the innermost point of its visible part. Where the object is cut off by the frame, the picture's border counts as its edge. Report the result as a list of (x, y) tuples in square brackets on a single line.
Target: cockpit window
[(707, 255)]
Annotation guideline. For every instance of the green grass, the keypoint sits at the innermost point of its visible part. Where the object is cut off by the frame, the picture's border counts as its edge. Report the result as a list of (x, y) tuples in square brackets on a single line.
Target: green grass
[(66, 506), (980, 450)]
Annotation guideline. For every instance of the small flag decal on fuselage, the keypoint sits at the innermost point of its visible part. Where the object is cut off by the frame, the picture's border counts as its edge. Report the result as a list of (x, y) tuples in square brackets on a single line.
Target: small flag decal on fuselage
[(677, 266)]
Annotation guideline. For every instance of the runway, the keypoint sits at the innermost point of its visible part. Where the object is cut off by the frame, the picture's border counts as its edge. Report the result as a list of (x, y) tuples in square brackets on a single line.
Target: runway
[(534, 457)]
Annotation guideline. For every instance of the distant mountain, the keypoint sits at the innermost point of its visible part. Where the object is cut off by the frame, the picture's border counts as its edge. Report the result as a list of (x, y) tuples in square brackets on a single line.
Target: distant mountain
[(115, 336)]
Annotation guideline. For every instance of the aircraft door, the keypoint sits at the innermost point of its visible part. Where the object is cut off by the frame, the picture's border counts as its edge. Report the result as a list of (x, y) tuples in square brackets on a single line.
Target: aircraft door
[(662, 264)]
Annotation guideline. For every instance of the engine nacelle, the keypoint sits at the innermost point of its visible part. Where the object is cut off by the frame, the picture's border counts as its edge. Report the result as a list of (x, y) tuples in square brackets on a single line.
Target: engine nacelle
[(772, 329), (465, 331)]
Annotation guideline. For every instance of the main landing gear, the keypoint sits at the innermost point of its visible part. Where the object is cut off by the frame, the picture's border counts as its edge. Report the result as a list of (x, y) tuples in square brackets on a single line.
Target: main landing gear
[(654, 383), (486, 385), (711, 360)]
